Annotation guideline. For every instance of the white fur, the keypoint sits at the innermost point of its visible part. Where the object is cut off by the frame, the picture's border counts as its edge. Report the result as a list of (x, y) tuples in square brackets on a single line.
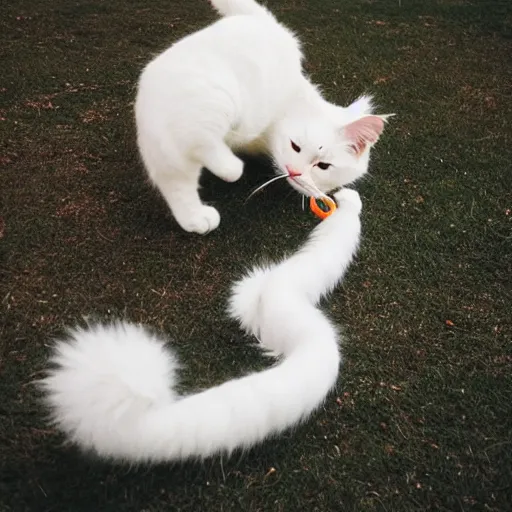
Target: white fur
[(111, 390), (238, 85)]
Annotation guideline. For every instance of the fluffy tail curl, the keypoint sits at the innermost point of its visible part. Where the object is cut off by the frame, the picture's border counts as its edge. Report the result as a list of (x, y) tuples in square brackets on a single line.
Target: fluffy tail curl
[(111, 386)]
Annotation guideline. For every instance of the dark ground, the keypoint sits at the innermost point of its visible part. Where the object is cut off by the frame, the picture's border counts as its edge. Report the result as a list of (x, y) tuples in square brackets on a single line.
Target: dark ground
[(421, 419)]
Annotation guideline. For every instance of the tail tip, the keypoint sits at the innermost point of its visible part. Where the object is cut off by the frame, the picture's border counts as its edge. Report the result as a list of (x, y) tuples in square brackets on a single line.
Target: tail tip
[(104, 373)]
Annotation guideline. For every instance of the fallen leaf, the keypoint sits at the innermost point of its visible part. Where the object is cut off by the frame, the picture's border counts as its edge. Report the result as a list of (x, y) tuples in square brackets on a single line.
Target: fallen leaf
[(271, 471), (490, 102)]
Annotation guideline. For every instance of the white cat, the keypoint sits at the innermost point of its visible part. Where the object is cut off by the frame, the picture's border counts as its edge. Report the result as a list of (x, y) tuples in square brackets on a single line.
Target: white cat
[(239, 85), (111, 390)]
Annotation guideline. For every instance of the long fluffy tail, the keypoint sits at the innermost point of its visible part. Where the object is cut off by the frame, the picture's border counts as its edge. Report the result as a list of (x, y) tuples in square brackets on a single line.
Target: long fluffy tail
[(239, 7), (111, 388)]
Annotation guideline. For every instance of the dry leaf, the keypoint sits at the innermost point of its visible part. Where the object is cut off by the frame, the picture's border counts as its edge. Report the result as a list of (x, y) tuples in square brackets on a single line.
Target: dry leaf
[(271, 471)]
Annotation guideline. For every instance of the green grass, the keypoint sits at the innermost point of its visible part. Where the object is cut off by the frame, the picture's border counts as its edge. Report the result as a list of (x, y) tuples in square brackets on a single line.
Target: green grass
[(422, 415)]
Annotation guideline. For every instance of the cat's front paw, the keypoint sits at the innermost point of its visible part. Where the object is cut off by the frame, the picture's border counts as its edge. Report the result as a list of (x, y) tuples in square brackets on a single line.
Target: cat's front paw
[(202, 221), (351, 196), (232, 171)]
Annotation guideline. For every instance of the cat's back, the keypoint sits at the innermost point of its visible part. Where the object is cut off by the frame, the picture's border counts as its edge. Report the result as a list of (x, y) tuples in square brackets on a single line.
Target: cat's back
[(238, 44), (243, 68)]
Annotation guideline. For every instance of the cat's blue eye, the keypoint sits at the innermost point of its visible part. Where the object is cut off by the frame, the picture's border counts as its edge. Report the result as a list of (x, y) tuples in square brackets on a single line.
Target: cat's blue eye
[(295, 147), (324, 166)]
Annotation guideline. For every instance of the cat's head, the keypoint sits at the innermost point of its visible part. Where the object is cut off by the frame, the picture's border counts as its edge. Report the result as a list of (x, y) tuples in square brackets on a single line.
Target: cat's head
[(327, 150)]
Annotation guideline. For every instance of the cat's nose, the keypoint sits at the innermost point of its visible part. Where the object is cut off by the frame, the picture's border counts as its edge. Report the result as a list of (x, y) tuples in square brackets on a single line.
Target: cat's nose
[(292, 172)]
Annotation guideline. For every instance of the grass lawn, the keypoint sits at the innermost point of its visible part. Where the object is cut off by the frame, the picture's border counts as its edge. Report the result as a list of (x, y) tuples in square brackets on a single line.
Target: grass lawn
[(422, 415)]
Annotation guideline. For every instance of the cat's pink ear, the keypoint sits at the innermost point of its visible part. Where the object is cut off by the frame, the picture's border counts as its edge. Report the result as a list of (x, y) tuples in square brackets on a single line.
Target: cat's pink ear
[(364, 131)]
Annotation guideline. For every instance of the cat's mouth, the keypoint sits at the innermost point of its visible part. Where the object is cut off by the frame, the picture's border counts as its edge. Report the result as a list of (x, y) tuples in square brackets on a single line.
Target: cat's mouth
[(305, 188)]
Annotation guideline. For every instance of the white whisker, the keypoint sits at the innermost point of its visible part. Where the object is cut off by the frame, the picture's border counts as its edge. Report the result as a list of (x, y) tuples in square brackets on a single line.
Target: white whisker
[(265, 184), (309, 190)]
